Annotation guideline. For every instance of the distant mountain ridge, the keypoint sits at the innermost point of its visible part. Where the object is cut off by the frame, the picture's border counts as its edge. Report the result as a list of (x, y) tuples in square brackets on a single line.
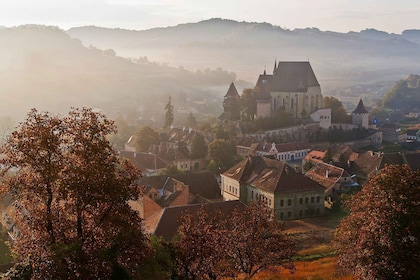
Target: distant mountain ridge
[(43, 67), (248, 47)]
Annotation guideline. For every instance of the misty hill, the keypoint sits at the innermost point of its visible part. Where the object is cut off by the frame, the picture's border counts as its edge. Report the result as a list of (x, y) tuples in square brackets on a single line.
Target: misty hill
[(338, 59), (43, 67)]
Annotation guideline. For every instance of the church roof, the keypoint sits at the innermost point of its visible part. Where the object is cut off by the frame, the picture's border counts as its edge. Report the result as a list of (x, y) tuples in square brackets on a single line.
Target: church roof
[(288, 76), (293, 76), (360, 109), (232, 92)]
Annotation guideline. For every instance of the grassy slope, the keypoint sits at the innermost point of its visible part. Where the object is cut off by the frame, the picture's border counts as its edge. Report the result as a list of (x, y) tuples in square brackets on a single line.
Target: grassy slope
[(316, 257)]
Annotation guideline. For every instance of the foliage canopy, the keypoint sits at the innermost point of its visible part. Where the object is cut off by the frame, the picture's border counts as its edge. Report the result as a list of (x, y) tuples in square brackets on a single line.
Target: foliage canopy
[(380, 237), (72, 194)]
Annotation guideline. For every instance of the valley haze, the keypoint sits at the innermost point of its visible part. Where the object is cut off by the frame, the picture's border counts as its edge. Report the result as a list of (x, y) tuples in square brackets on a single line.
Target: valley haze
[(117, 70)]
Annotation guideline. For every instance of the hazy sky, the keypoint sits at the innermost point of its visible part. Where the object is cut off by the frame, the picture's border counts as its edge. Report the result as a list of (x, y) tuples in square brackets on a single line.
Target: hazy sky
[(335, 15)]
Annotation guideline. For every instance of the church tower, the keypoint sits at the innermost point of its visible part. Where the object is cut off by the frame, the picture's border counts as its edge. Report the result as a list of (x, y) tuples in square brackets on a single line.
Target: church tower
[(360, 116), (231, 105)]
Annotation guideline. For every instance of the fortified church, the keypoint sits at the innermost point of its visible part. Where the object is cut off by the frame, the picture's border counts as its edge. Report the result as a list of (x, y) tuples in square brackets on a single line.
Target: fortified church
[(292, 88)]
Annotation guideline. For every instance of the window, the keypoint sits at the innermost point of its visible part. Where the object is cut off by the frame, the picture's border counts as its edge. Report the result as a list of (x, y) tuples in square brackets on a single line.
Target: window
[(306, 200), (252, 195), (281, 203), (289, 202), (312, 199), (300, 201), (317, 199), (289, 214), (269, 202)]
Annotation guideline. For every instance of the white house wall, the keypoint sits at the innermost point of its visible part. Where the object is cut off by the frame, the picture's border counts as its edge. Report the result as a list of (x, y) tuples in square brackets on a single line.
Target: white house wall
[(230, 188)]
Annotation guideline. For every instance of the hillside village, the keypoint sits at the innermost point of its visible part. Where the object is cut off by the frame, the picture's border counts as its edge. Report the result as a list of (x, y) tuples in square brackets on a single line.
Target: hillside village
[(284, 167), (295, 169)]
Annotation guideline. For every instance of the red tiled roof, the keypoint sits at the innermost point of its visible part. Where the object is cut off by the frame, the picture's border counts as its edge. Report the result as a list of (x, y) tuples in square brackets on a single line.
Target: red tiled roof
[(169, 219), (413, 160), (270, 175), (144, 160), (315, 156), (203, 183), (326, 174)]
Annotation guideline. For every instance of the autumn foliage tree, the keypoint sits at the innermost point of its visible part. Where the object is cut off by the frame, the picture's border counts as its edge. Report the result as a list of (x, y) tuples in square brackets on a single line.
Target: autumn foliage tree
[(213, 245), (72, 194), (380, 239)]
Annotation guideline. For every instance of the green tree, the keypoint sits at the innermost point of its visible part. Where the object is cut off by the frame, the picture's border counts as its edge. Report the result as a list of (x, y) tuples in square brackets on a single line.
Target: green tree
[(248, 104), (146, 137), (338, 113), (169, 114), (222, 152), (171, 170), (220, 132), (380, 237), (123, 133), (72, 195), (191, 121), (198, 147)]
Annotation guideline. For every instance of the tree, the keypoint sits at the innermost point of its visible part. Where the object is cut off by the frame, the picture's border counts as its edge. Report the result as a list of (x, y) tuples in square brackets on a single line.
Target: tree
[(72, 195), (171, 170), (338, 113), (246, 241), (191, 121), (201, 251), (198, 147), (380, 237), (123, 133), (222, 152), (146, 137), (220, 132), (256, 241), (169, 114)]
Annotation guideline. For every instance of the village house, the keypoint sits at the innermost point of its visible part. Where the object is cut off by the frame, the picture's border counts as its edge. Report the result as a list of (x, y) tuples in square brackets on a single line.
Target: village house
[(285, 151), (392, 133), (413, 135), (150, 164), (159, 192), (289, 193), (335, 181)]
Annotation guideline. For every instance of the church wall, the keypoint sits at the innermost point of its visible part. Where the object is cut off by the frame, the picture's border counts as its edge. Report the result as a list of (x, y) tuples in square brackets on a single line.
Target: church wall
[(263, 110), (298, 102), (361, 120)]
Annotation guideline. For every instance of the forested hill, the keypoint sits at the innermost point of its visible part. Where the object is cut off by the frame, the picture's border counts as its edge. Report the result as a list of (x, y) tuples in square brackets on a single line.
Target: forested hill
[(43, 67), (246, 48), (404, 95)]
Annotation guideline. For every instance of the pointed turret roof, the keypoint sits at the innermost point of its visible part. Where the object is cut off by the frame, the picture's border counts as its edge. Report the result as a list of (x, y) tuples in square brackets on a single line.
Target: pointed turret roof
[(232, 91), (360, 109)]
